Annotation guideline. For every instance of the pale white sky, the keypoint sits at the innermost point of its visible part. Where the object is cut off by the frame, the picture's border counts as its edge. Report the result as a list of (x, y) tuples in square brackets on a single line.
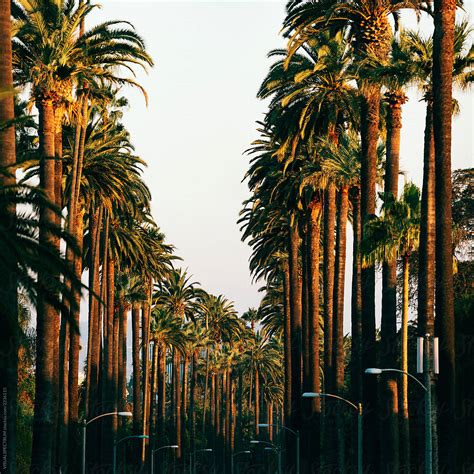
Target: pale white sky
[(210, 58)]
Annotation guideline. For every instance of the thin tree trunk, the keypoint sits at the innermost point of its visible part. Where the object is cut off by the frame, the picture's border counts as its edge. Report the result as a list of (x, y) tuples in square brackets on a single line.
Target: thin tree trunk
[(426, 253), (10, 333), (177, 400), (405, 434), (356, 299), (93, 333), (146, 366), (153, 394), (184, 400), (388, 385), (137, 399), (74, 348), (160, 432), (370, 113), (41, 456), (287, 339), (122, 375), (192, 401), (443, 54), (338, 315), (206, 389), (314, 234)]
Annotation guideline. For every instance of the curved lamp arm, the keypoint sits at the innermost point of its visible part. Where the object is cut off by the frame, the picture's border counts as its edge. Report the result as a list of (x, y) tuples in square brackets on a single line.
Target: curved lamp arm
[(317, 395), (268, 425), (400, 372)]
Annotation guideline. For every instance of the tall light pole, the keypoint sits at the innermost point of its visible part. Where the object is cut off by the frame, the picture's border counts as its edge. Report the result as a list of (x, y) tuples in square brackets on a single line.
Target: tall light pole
[(85, 423), (193, 458), (232, 459), (423, 366), (295, 432), (114, 466), (358, 408), (271, 446), (172, 446)]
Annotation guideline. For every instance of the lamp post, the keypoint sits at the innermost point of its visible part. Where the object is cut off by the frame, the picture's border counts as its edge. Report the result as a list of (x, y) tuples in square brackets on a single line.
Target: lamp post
[(295, 432), (272, 447), (232, 459), (172, 446), (192, 464), (427, 389), (120, 441), (85, 423), (358, 408)]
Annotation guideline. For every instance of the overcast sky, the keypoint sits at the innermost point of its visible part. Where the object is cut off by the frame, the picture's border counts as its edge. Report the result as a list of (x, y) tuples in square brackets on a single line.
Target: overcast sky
[(210, 58)]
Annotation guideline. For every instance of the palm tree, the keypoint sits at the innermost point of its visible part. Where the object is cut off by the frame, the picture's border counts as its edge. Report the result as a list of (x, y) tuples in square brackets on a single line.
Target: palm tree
[(396, 234)]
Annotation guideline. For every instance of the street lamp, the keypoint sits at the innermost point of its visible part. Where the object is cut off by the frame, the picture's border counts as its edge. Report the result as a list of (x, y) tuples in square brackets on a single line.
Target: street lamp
[(192, 457), (358, 408), (85, 423), (232, 459), (426, 388), (295, 432), (118, 442), (172, 446), (272, 447)]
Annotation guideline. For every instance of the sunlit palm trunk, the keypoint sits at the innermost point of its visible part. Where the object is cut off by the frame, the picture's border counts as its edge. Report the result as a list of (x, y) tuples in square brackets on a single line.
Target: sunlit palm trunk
[(443, 47), (9, 336), (184, 399), (160, 425), (58, 176), (74, 348), (93, 348), (177, 401), (338, 315), (43, 418), (146, 365), (405, 416), (356, 298), (314, 236), (426, 252), (369, 137), (328, 442), (137, 396), (389, 386), (122, 362), (296, 336), (287, 340), (192, 401)]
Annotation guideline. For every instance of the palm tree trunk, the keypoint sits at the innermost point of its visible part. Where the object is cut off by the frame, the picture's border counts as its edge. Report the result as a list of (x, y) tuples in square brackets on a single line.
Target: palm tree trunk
[(257, 402), (74, 348), (146, 365), (10, 334), (206, 389), (41, 456), (109, 360), (426, 253), (405, 434), (184, 399), (122, 366), (58, 177), (177, 400), (153, 393), (370, 113), (329, 229), (296, 317), (356, 299), (287, 339), (115, 369), (160, 426), (314, 235), (306, 348), (93, 328), (443, 53), (192, 401), (338, 315), (389, 386), (137, 399)]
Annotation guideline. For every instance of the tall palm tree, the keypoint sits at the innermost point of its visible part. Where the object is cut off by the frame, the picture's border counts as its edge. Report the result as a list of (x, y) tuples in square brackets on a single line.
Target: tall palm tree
[(396, 234)]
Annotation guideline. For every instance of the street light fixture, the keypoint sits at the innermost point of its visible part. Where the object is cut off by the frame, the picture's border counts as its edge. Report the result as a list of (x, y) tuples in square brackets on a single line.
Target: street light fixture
[(271, 446), (85, 423), (172, 446), (114, 468), (358, 408), (295, 432), (192, 457), (232, 459), (428, 428)]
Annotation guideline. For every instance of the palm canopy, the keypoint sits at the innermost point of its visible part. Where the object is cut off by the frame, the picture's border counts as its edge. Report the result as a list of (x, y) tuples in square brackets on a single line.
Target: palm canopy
[(49, 54), (395, 233)]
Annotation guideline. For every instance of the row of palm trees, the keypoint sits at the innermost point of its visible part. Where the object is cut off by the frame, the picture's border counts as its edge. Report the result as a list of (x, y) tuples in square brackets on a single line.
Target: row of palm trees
[(330, 137), (76, 215)]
